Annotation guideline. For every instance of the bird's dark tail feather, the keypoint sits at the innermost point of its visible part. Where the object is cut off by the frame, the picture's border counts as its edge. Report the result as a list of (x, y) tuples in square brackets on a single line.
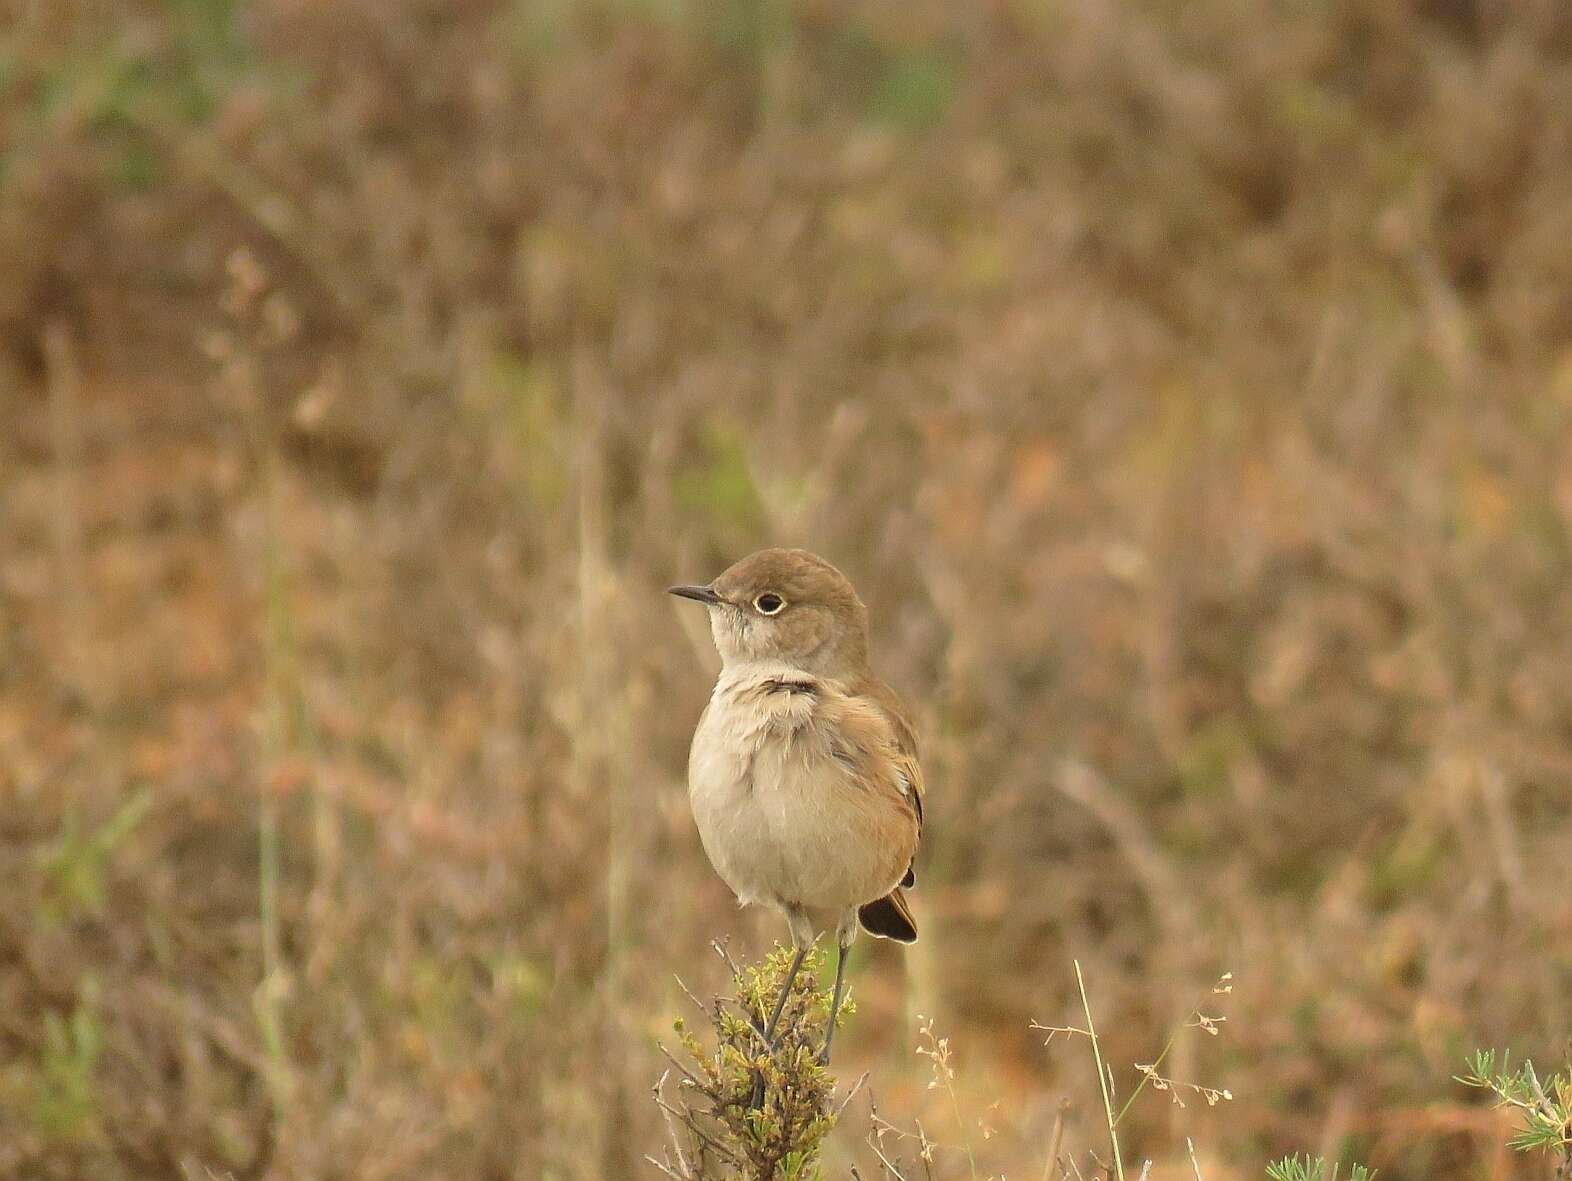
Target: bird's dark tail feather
[(889, 918)]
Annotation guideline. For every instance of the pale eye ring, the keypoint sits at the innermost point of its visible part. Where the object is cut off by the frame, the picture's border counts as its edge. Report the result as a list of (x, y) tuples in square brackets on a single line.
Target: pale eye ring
[(769, 603)]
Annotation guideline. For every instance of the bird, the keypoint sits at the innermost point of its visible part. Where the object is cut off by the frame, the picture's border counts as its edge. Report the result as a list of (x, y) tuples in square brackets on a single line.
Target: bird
[(803, 774)]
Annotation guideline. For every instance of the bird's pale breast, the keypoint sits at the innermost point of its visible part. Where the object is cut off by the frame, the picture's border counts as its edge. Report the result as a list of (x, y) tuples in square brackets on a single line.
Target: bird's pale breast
[(783, 812)]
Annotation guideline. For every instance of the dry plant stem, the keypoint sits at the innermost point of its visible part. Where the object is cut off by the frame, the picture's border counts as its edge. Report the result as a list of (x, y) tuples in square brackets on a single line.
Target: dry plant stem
[(65, 427), (681, 1069), (882, 1127), (966, 1137), (1102, 1079), (600, 752), (885, 1162), (710, 1142), (1146, 1078), (593, 756), (688, 992), (1172, 905), (275, 740), (1195, 1166), (851, 1094), (1055, 1139), (938, 1052), (664, 1169), (668, 1113), (1336, 1128)]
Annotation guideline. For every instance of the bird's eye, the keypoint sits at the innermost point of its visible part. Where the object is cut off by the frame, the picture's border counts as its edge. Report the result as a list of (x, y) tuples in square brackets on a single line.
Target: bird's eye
[(768, 604)]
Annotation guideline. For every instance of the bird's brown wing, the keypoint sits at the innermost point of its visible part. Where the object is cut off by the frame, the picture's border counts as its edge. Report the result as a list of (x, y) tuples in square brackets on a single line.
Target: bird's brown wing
[(878, 744), (894, 710)]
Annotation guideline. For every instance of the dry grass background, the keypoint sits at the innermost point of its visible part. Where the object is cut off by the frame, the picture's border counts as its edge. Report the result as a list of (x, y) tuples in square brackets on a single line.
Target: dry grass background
[(1187, 387)]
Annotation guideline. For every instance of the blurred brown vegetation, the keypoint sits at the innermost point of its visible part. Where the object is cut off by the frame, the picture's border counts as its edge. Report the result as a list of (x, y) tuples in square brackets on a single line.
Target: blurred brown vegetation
[(1186, 386)]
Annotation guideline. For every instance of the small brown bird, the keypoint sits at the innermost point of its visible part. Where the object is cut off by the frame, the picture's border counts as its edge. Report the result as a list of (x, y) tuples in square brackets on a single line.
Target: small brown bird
[(803, 773)]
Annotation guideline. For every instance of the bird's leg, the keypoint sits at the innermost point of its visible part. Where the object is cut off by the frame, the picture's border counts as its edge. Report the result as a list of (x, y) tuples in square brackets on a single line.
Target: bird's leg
[(802, 936), (780, 1003), (835, 999)]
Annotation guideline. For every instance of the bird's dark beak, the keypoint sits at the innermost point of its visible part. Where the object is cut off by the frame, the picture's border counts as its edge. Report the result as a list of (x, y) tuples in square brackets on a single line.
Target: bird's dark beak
[(703, 594)]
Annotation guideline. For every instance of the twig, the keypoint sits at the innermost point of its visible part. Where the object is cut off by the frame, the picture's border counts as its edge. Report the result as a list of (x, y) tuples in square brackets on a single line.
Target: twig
[(1212, 1095), (1102, 1082), (719, 1148), (722, 950), (1195, 1166), (1055, 1139), (665, 1169), (1539, 1091), (884, 1160), (686, 1073), (1149, 1071), (1053, 1030), (671, 1124), (688, 992), (850, 1095)]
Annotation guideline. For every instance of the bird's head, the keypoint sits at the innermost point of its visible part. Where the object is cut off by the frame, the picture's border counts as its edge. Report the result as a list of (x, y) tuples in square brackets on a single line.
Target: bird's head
[(787, 606)]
